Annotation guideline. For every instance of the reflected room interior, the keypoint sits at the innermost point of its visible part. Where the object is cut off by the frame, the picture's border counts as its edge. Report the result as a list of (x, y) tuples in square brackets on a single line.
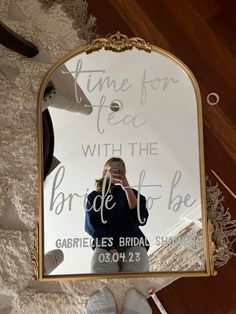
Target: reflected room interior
[(149, 117)]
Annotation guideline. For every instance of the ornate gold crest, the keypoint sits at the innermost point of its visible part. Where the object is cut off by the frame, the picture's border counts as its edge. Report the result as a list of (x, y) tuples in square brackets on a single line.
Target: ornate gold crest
[(118, 42)]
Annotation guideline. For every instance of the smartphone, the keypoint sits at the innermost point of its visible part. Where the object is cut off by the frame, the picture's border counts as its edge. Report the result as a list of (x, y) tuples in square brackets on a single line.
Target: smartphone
[(116, 167)]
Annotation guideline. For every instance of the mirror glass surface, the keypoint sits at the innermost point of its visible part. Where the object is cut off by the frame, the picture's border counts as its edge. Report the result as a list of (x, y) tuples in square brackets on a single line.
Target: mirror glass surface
[(143, 212)]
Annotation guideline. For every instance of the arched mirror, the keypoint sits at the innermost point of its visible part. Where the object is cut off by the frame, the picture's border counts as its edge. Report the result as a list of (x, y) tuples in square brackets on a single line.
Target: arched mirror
[(124, 194)]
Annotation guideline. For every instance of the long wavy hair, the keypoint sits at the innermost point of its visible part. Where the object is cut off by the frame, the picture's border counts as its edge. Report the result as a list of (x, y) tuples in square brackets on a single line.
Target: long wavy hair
[(99, 182)]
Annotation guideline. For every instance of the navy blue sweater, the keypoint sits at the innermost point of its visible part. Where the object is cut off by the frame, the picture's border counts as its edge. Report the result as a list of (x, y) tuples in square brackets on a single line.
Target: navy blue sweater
[(121, 220)]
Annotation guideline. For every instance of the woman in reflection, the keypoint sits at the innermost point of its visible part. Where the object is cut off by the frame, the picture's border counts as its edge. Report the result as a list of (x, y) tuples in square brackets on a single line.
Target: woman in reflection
[(119, 244)]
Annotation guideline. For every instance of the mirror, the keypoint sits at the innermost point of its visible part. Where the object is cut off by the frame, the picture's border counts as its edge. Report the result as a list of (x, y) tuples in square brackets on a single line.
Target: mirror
[(125, 191)]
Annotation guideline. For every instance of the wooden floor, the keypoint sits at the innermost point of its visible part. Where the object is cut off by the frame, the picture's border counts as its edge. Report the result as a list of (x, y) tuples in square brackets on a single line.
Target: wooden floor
[(202, 33)]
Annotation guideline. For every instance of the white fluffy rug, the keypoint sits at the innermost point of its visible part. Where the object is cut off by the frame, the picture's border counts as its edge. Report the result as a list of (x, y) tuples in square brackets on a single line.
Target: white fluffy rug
[(52, 32)]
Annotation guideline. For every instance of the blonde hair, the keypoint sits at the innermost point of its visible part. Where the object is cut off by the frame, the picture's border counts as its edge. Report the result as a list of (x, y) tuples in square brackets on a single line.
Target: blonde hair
[(99, 182)]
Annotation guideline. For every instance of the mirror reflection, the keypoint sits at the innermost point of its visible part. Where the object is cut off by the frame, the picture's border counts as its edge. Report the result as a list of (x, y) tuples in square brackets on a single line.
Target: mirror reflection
[(114, 212), (123, 192)]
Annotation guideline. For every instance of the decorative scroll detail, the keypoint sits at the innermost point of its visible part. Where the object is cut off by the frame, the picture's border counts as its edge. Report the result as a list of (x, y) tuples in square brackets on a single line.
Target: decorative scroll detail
[(34, 255), (212, 248), (118, 42)]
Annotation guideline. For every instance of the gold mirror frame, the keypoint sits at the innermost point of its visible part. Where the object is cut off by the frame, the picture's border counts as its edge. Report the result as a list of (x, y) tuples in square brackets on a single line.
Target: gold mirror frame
[(118, 43)]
